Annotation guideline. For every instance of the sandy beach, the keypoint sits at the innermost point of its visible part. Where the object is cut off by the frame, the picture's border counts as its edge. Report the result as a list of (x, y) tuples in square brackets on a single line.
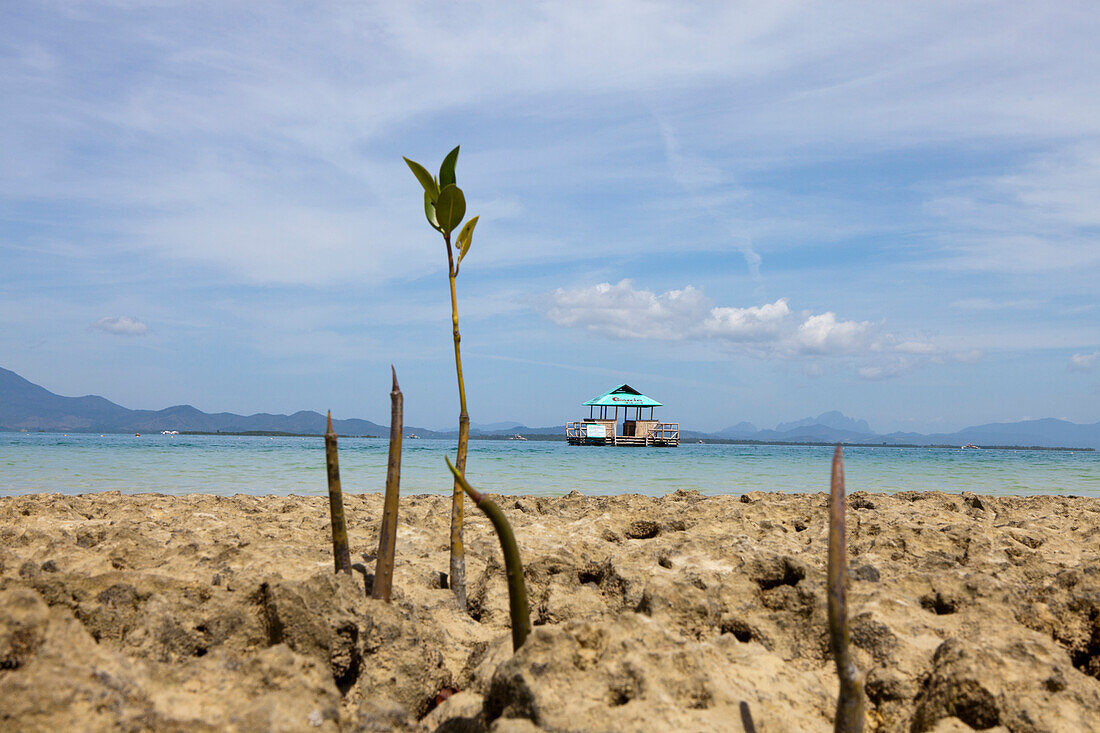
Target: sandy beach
[(685, 612)]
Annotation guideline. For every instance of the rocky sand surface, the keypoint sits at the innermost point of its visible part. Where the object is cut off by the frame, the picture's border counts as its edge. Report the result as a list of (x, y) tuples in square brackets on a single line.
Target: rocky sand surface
[(158, 613)]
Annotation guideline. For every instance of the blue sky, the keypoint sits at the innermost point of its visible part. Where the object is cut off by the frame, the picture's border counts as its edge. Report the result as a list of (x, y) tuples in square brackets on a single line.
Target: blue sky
[(749, 211)]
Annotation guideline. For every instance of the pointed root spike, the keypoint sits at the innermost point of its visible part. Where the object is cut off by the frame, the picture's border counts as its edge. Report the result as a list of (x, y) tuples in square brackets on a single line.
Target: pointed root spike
[(838, 470), (476, 495), (850, 702), (518, 607)]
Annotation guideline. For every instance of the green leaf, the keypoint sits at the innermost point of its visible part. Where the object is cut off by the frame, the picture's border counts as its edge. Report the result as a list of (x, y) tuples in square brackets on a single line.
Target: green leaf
[(450, 208), (447, 170), (465, 239), (429, 211), (425, 178), (467, 232)]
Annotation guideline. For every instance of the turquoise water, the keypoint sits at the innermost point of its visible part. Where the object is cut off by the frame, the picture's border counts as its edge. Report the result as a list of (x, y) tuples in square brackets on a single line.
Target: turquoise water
[(184, 464)]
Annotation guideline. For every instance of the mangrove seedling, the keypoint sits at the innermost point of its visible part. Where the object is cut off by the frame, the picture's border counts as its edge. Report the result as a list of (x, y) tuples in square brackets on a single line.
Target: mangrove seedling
[(445, 207), (513, 568), (387, 534), (340, 555), (849, 704)]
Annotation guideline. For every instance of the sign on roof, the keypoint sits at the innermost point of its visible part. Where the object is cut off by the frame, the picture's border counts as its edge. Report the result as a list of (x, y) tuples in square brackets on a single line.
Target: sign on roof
[(622, 396)]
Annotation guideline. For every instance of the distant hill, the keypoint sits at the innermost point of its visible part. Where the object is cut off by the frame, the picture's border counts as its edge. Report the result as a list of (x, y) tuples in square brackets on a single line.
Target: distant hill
[(1047, 432), (27, 406), (494, 428), (740, 430), (832, 419), (835, 427), (512, 428), (815, 433)]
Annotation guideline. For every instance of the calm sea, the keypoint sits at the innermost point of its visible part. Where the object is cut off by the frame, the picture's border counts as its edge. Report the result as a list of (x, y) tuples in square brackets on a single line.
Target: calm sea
[(184, 464)]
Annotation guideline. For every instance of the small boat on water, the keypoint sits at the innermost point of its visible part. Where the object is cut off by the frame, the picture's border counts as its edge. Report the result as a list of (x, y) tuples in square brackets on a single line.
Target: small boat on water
[(169, 432), (970, 446), (517, 436), (414, 436)]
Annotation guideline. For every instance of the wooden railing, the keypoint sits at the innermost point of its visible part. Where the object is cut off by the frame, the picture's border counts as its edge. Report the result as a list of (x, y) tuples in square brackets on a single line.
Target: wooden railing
[(661, 434), (666, 431), (575, 431)]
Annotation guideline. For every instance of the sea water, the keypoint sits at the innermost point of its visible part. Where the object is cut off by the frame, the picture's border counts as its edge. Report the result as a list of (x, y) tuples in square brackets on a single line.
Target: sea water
[(224, 464)]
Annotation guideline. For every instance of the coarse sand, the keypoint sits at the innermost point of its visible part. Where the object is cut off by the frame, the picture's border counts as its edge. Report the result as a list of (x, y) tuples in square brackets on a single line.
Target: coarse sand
[(159, 613)]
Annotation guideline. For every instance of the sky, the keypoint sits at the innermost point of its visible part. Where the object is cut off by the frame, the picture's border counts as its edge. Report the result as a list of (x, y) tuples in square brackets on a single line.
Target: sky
[(749, 211)]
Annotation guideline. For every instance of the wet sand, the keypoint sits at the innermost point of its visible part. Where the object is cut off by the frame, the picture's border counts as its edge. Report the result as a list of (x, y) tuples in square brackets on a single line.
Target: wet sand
[(684, 612)]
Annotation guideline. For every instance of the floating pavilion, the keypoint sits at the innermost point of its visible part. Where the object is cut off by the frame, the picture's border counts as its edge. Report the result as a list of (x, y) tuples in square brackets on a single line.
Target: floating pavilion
[(602, 427)]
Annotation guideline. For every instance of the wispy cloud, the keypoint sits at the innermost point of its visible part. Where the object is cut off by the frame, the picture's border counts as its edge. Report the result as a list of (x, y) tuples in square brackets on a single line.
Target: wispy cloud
[(121, 326), (244, 142), (1041, 218), (988, 304), (700, 177), (886, 370), (1084, 362), (915, 347)]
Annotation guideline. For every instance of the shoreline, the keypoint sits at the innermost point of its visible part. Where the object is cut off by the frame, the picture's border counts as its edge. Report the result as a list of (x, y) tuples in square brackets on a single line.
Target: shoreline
[(205, 611), (555, 438)]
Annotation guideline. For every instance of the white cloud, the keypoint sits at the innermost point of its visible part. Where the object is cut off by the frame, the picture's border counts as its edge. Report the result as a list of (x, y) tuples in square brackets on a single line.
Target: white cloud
[(121, 325), (620, 311), (824, 334), (771, 330), (756, 323), (1084, 362)]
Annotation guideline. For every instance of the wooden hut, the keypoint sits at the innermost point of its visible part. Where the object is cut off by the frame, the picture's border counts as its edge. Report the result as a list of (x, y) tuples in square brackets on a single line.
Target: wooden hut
[(602, 426)]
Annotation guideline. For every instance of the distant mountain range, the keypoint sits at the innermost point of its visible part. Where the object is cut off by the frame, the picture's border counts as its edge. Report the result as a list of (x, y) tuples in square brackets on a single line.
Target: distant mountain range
[(833, 427), (26, 406), (831, 419)]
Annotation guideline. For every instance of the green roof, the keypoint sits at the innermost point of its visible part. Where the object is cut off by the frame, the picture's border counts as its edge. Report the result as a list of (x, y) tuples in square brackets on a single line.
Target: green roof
[(623, 396)]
